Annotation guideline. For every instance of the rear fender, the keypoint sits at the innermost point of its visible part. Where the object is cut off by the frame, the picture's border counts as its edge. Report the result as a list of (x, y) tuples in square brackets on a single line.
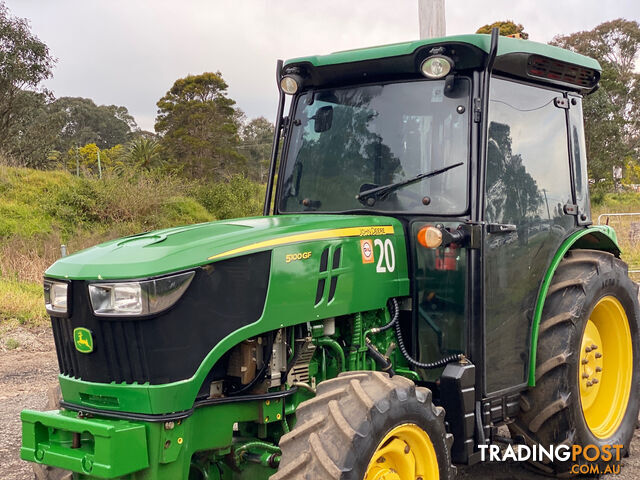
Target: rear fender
[(601, 237)]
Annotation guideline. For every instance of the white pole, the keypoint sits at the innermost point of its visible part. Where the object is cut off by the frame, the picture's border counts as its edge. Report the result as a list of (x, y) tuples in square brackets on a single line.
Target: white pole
[(431, 18)]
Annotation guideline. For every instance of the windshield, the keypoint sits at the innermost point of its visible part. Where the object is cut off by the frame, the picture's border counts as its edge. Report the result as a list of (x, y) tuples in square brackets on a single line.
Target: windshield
[(350, 140)]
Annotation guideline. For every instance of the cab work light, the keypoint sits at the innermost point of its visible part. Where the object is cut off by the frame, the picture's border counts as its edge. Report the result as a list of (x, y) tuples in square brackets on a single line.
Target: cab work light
[(120, 299), (436, 66), (290, 84)]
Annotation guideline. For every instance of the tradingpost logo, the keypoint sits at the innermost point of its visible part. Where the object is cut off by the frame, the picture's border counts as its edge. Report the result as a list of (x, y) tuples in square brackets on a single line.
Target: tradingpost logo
[(587, 460), (83, 340)]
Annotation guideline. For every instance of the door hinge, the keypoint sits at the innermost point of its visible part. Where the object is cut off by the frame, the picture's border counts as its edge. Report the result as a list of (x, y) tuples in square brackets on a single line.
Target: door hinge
[(570, 209), (561, 102), (477, 110)]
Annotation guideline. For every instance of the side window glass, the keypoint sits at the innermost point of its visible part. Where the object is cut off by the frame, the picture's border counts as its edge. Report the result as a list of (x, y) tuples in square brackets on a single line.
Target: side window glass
[(579, 150), (527, 159)]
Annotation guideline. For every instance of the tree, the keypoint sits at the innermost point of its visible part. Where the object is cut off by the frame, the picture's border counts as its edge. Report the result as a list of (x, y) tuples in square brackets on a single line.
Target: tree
[(611, 114), (199, 124), (507, 28), (25, 61), (33, 133), (256, 137), (85, 122), (144, 153), (86, 158)]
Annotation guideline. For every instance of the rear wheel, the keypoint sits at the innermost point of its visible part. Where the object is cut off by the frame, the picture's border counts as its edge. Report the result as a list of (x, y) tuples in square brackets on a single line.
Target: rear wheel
[(588, 359), (367, 426)]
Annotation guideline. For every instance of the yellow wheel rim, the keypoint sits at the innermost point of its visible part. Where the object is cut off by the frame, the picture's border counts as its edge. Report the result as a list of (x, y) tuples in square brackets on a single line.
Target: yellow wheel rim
[(606, 367), (405, 453)]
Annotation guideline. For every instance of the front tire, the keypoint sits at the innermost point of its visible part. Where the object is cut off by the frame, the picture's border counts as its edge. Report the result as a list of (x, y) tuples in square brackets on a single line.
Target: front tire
[(588, 360), (367, 426)]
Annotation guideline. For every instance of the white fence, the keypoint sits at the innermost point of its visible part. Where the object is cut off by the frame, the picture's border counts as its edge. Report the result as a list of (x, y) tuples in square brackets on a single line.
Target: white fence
[(627, 226)]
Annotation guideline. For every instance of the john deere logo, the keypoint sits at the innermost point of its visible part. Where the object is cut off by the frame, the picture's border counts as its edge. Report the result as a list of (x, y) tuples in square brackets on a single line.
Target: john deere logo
[(83, 340)]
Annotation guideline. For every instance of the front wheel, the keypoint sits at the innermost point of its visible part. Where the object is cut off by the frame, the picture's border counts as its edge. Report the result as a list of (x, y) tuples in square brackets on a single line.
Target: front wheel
[(588, 360), (367, 426)]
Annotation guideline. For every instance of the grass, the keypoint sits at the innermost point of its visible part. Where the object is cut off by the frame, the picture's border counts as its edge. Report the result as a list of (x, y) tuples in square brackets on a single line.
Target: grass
[(21, 303), (627, 227), (40, 210)]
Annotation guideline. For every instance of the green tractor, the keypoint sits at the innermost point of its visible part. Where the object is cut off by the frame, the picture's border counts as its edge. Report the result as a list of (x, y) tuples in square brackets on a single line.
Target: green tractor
[(426, 272)]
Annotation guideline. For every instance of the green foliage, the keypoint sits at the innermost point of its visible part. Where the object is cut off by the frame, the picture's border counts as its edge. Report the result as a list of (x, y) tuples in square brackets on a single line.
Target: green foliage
[(22, 303), (256, 137), (200, 125), (612, 114), (84, 160), (240, 197), (34, 130), (144, 152), (84, 122), (507, 28), (617, 202), (12, 344), (24, 63)]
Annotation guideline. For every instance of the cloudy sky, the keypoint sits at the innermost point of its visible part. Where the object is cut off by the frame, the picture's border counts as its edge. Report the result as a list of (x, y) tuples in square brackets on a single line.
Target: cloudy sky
[(129, 52)]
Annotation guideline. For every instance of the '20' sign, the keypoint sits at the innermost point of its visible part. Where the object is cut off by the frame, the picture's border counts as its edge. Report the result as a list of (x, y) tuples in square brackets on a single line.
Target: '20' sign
[(387, 257)]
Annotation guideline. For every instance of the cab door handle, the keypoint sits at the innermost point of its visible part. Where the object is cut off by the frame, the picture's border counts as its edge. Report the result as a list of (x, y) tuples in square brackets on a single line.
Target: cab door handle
[(501, 228)]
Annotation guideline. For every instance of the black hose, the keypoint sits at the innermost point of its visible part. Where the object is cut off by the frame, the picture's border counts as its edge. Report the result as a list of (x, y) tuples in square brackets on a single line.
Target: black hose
[(382, 361), (394, 319), (429, 366)]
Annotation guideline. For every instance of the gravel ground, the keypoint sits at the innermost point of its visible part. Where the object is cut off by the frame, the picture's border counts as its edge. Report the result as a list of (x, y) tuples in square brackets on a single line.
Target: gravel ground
[(27, 372)]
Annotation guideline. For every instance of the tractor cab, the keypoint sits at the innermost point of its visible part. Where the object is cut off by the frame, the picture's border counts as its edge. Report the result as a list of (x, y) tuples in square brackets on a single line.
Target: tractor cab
[(450, 137)]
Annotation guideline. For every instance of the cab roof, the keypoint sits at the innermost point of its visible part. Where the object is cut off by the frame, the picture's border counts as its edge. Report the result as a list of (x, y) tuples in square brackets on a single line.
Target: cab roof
[(531, 61), (506, 45)]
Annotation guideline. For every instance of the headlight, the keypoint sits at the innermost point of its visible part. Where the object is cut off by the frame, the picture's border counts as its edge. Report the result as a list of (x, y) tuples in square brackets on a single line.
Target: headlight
[(138, 298), (55, 297)]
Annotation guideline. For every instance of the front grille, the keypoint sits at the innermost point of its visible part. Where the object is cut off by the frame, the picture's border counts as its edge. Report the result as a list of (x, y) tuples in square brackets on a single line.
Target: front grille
[(222, 297)]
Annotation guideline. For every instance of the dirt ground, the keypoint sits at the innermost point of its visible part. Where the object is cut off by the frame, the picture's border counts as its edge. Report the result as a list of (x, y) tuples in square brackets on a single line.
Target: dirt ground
[(28, 371)]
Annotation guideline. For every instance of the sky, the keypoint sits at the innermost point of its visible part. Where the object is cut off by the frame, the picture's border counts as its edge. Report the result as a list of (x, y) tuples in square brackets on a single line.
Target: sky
[(129, 52)]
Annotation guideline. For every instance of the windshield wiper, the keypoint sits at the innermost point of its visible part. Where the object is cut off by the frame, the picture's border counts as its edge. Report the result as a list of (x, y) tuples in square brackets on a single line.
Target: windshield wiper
[(371, 195)]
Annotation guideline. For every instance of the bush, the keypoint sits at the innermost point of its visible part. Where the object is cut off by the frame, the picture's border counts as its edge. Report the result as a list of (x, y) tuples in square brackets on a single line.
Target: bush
[(240, 197)]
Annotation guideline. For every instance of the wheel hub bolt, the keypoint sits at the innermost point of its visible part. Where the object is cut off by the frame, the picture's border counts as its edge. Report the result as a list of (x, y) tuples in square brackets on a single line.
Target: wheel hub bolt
[(406, 449), (598, 369), (598, 355), (585, 361), (589, 384), (585, 375), (595, 380), (381, 460), (587, 349), (594, 346)]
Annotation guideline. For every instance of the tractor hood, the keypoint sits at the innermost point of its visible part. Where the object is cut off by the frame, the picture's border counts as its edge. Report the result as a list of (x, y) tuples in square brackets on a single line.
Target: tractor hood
[(165, 251)]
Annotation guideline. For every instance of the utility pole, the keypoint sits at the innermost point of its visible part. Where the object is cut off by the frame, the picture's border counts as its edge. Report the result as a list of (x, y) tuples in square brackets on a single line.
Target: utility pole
[(431, 18)]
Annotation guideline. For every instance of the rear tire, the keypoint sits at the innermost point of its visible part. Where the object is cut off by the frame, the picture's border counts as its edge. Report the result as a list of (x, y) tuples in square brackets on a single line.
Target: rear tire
[(583, 395), (363, 424)]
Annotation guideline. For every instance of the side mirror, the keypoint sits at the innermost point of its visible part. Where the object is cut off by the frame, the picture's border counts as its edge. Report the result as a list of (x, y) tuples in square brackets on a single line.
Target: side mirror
[(323, 119)]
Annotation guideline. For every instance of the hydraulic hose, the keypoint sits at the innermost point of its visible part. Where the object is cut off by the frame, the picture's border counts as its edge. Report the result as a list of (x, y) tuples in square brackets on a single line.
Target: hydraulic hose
[(393, 320), (429, 366)]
